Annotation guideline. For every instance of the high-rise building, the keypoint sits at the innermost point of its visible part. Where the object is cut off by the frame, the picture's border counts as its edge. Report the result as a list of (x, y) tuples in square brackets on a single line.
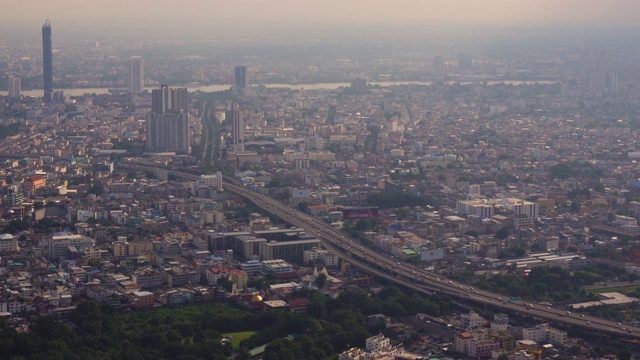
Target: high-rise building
[(160, 100), (136, 74), (179, 99), (15, 87), (438, 67), (168, 132), (359, 86), (595, 69), (47, 61), (168, 121), (168, 99), (240, 78), (612, 82), (236, 117), (465, 62)]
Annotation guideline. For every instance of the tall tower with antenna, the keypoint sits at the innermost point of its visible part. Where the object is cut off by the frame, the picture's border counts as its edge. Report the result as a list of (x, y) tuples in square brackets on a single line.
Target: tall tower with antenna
[(47, 61)]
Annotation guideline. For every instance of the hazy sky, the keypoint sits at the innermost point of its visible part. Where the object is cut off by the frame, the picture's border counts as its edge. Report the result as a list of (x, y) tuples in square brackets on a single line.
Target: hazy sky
[(283, 13)]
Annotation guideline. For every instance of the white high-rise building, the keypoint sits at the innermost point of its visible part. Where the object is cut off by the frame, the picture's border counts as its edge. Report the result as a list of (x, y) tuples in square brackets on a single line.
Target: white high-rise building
[(236, 117), (136, 74), (15, 87)]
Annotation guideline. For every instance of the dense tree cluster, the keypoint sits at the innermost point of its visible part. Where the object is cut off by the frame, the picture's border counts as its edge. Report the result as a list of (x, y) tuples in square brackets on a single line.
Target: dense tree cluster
[(95, 332), (9, 130), (548, 283), (334, 325), (195, 332), (44, 226), (575, 169), (396, 201)]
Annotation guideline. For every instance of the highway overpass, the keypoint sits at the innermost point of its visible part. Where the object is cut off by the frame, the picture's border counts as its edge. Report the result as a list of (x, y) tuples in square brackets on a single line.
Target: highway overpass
[(408, 275)]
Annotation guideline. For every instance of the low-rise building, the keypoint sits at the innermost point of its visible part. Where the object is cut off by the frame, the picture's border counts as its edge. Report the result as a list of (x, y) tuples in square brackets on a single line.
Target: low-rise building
[(277, 266), (141, 299), (239, 277), (8, 244)]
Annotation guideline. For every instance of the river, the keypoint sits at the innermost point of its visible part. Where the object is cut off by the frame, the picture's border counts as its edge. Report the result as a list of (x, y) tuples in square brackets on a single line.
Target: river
[(318, 86)]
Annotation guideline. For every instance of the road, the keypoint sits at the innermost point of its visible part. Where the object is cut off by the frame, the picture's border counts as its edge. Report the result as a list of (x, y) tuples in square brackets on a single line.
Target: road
[(411, 276)]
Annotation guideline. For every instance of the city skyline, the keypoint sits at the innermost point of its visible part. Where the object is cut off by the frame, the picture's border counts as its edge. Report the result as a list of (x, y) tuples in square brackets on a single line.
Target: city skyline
[(299, 158)]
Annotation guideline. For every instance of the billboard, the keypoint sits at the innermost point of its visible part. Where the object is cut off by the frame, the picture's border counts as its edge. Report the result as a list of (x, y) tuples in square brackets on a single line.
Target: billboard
[(360, 213)]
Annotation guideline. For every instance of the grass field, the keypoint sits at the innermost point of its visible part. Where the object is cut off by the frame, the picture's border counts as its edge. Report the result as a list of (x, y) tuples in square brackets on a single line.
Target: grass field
[(623, 290), (238, 337)]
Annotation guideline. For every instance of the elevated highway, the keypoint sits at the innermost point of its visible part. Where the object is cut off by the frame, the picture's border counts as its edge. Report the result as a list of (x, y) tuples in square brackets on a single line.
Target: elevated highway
[(411, 276)]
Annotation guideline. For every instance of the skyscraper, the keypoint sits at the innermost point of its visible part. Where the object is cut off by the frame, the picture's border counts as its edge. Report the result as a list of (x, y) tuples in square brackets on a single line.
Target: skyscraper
[(15, 87), (612, 82), (160, 100), (236, 117), (179, 100), (167, 99), (168, 121), (465, 62), (240, 79), (438, 67), (47, 61), (136, 74), (595, 68), (358, 86)]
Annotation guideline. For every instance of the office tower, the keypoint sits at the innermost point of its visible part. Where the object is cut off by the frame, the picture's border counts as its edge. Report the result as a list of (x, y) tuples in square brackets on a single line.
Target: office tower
[(168, 99), (240, 79), (179, 99), (612, 82), (588, 64), (595, 69), (15, 87), (136, 74), (160, 100), (47, 61), (465, 62), (358, 86), (236, 117), (168, 122), (438, 67)]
